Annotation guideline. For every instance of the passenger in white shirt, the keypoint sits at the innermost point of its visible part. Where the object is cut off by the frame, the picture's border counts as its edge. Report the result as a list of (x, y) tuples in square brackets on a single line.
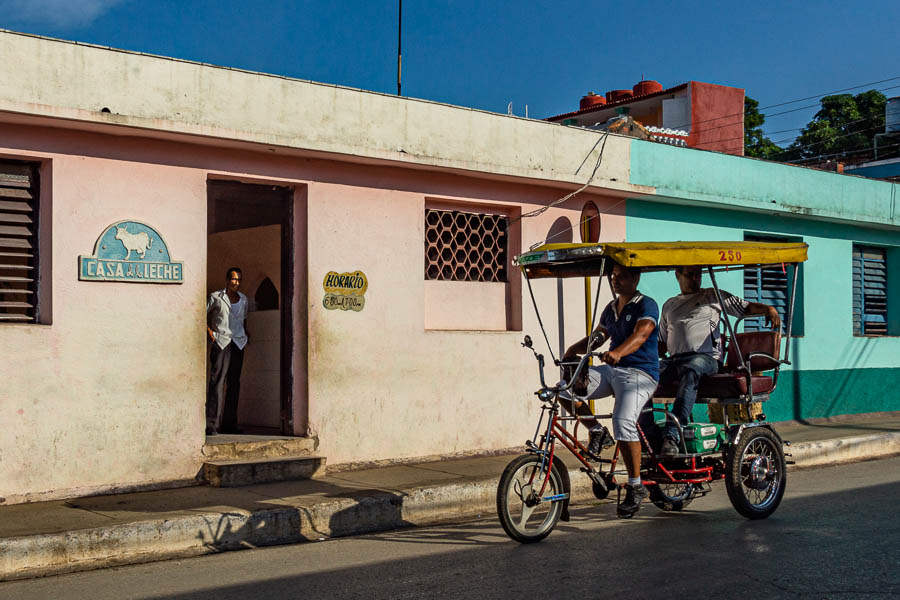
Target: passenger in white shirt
[(226, 314), (689, 332)]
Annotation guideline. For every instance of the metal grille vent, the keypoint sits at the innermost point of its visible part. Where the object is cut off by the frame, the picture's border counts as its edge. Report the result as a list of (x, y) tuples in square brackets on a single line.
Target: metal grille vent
[(465, 246), (18, 242)]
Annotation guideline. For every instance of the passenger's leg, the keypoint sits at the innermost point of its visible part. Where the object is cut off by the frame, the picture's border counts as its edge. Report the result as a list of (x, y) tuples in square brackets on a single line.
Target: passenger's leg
[(690, 370)]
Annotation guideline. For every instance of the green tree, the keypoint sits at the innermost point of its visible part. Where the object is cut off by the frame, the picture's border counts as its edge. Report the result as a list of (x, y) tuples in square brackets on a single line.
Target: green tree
[(756, 143), (845, 124)]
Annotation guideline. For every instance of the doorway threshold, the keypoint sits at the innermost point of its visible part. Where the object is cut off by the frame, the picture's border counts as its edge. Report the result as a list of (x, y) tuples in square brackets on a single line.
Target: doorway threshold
[(244, 447)]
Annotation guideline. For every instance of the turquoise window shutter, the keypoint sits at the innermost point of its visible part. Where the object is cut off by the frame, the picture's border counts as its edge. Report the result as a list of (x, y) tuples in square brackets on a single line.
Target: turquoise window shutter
[(869, 291)]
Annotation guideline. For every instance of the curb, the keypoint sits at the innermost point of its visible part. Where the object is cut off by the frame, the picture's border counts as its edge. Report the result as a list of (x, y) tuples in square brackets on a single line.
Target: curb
[(213, 532), (844, 450)]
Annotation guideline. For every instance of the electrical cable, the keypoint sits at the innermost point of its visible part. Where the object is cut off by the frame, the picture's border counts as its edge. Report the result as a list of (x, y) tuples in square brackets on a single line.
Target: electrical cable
[(761, 108), (821, 156), (801, 128), (707, 129), (590, 180), (605, 136)]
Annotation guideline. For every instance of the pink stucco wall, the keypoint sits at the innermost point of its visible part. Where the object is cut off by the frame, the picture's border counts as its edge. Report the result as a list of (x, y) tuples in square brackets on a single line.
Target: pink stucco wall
[(111, 394)]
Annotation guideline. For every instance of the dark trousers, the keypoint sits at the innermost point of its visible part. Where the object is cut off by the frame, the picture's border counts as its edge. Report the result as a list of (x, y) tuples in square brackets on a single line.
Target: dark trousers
[(686, 369), (224, 386)]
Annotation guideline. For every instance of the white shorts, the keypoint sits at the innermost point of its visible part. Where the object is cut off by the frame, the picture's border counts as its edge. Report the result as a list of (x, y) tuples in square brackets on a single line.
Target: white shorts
[(632, 389)]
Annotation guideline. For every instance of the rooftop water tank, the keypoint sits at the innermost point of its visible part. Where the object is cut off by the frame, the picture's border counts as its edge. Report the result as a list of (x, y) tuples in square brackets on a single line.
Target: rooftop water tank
[(892, 115), (617, 95), (590, 100), (647, 86)]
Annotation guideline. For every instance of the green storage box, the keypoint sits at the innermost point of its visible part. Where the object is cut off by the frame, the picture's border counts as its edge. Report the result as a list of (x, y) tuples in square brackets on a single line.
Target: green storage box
[(703, 437)]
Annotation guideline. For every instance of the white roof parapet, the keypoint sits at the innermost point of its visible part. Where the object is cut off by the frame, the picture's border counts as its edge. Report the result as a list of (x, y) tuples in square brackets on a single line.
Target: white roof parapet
[(44, 77)]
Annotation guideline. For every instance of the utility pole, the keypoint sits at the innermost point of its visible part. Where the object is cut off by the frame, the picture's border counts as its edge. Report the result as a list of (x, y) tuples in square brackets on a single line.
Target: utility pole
[(399, 48)]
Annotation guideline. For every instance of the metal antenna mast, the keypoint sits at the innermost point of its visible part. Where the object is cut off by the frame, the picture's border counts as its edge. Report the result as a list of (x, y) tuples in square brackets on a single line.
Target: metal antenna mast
[(399, 39)]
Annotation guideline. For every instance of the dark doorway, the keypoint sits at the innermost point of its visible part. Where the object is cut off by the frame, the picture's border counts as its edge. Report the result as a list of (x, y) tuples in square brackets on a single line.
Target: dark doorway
[(251, 226)]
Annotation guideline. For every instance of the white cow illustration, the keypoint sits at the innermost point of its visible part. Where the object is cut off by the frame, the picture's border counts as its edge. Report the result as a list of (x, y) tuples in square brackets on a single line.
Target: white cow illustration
[(139, 242)]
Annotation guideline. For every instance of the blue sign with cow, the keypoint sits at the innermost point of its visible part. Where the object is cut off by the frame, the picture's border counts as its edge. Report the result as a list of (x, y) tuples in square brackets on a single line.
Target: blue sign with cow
[(130, 251)]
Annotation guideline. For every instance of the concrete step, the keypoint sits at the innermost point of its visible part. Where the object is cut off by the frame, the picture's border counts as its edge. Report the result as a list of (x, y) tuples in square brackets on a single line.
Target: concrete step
[(248, 447), (234, 473)]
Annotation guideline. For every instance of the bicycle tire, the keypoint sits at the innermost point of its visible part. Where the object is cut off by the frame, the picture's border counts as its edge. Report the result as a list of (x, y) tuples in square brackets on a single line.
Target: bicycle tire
[(514, 494)]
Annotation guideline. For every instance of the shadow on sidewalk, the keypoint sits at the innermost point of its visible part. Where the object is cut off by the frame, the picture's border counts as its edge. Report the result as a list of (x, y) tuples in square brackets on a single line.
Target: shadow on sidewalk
[(263, 515)]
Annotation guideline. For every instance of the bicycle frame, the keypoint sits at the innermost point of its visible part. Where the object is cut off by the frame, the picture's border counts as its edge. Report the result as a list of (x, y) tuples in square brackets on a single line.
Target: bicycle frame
[(555, 431)]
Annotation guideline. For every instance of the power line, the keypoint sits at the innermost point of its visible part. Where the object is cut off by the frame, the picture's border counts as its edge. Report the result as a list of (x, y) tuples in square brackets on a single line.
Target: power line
[(775, 114), (790, 102), (800, 128), (834, 92), (828, 139), (821, 156)]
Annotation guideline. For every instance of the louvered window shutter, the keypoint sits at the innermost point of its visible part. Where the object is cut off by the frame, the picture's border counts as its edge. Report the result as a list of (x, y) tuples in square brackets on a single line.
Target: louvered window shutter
[(767, 286), (18, 242), (869, 291)]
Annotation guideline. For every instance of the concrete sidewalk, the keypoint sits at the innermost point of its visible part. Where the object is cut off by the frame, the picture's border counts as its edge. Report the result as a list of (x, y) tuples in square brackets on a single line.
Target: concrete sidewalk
[(55, 537)]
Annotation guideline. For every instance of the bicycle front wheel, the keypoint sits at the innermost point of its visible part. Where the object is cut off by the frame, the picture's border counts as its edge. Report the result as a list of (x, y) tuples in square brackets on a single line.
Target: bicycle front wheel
[(527, 513)]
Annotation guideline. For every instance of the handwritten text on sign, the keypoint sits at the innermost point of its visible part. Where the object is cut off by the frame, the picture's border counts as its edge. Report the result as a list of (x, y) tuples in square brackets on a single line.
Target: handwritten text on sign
[(345, 291)]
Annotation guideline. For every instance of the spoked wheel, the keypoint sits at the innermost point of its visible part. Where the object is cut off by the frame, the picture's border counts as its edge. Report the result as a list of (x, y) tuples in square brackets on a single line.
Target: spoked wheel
[(669, 496), (755, 474), (525, 517)]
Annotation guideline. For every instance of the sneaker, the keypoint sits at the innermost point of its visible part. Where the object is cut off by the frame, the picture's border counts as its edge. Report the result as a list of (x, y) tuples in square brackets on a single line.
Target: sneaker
[(669, 447), (598, 439), (632, 502)]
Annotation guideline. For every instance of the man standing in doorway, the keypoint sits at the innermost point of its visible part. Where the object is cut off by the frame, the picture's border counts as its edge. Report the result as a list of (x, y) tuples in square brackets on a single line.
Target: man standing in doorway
[(226, 313)]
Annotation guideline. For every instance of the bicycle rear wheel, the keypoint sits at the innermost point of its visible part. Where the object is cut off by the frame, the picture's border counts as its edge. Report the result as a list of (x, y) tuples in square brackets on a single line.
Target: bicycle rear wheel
[(525, 513)]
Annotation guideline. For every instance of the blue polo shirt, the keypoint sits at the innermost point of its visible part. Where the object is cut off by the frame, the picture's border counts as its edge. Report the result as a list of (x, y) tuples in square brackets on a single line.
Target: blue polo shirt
[(620, 327)]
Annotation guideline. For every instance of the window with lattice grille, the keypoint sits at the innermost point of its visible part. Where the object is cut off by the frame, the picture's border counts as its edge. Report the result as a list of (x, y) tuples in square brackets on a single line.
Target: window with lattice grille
[(18, 242), (462, 246), (870, 286)]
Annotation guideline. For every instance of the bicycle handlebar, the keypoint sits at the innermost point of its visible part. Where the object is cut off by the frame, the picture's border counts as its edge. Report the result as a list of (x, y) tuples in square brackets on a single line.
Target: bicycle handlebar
[(581, 365)]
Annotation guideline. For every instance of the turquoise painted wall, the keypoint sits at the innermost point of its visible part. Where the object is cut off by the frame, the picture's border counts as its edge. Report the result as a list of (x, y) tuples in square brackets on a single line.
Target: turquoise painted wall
[(709, 196), (700, 177), (836, 373)]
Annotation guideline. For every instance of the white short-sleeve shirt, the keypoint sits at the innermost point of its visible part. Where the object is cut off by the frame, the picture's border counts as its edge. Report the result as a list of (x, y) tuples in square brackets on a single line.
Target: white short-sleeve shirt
[(690, 322)]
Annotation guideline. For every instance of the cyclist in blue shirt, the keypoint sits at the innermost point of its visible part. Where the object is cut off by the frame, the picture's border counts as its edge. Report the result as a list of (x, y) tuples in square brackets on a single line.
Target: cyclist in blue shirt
[(630, 373)]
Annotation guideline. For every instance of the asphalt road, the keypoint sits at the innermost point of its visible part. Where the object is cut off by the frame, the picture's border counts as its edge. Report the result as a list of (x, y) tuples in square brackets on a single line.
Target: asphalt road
[(836, 535)]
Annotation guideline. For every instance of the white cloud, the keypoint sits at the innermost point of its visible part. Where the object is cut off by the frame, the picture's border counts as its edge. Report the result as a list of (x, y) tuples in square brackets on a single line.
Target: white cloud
[(60, 14)]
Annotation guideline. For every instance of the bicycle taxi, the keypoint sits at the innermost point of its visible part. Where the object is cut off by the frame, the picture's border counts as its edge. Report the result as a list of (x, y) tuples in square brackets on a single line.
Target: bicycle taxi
[(737, 445)]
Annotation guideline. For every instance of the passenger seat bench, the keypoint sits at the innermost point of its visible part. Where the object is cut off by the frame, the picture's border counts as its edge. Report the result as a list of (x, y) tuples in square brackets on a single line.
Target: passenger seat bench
[(734, 384)]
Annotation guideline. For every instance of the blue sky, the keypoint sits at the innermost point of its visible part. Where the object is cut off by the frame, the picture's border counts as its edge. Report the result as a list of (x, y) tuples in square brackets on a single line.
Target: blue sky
[(489, 53)]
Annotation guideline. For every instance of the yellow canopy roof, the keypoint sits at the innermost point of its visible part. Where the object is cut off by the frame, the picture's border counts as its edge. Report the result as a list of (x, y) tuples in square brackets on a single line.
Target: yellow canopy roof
[(572, 260)]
